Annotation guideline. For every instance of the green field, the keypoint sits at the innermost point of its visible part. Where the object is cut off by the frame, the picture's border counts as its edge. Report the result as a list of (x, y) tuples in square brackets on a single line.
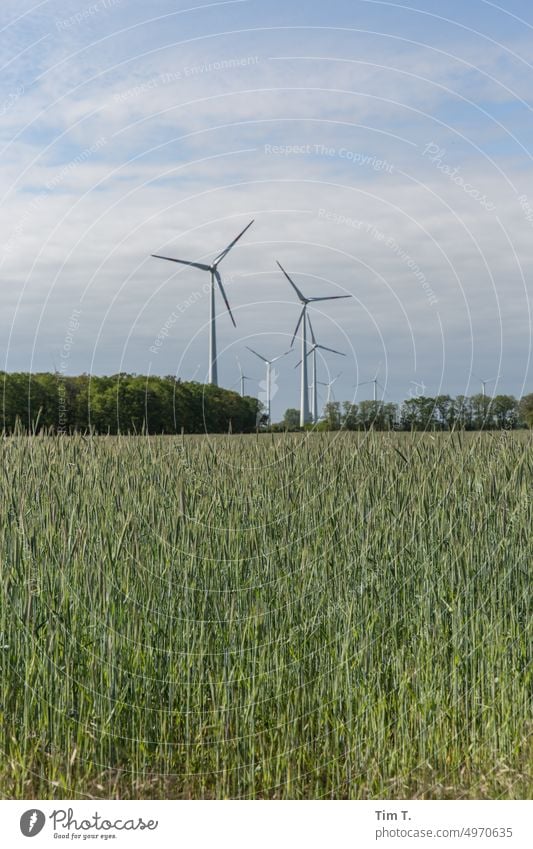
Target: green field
[(337, 615)]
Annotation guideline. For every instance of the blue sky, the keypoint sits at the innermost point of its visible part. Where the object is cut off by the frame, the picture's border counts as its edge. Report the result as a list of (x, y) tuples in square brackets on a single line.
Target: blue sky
[(383, 150)]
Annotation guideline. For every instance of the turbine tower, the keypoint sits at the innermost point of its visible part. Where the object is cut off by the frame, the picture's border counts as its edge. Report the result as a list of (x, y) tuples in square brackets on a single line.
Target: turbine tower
[(215, 276), (269, 364), (304, 396), (312, 351)]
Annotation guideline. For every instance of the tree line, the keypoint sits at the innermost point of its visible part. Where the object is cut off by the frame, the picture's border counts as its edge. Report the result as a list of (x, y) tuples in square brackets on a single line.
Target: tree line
[(121, 403), (131, 403), (475, 412)]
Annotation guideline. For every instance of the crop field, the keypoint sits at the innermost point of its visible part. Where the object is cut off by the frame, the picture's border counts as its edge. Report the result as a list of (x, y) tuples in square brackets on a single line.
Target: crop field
[(292, 616)]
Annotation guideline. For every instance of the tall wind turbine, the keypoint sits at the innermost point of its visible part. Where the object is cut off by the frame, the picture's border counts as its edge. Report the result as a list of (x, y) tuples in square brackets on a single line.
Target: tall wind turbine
[(269, 364), (304, 396), (312, 352), (215, 276)]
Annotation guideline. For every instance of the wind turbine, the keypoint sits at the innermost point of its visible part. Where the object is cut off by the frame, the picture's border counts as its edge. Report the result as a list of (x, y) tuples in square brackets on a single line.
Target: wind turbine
[(484, 384), (304, 397), (375, 382), (269, 364), (215, 275), (243, 377), (312, 351), (329, 384)]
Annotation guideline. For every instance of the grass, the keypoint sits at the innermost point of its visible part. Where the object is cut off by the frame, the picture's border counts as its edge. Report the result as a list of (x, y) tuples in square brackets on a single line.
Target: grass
[(320, 616)]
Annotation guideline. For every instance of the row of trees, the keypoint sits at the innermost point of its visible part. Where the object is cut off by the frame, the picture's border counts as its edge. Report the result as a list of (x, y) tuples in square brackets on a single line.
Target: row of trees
[(477, 412), (122, 403), (129, 403)]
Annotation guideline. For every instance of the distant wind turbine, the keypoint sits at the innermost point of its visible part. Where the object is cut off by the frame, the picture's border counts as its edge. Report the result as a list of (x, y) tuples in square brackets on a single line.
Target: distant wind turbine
[(375, 383), (243, 377), (329, 384), (215, 275), (312, 351), (484, 384), (269, 364), (304, 396)]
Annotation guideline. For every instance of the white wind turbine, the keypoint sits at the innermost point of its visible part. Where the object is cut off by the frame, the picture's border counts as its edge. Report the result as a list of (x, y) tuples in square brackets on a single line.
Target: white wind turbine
[(484, 384), (312, 352), (269, 364), (329, 384), (215, 275), (375, 383), (243, 377), (304, 396)]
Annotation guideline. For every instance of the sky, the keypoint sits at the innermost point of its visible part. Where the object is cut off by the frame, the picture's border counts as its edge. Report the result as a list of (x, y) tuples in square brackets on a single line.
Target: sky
[(383, 150)]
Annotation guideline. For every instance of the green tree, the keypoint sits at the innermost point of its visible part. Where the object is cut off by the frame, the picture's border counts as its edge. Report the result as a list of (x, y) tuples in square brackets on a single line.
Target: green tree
[(419, 414), (125, 403), (367, 414), (462, 413), (444, 412), (525, 409), (291, 419), (504, 410), (481, 411), (332, 415), (349, 416)]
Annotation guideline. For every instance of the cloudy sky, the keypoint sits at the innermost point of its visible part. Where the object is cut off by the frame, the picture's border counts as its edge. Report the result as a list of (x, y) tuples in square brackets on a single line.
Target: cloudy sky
[(383, 149)]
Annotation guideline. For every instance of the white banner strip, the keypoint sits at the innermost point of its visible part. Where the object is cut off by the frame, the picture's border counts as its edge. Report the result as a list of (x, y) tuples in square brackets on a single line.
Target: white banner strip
[(258, 824)]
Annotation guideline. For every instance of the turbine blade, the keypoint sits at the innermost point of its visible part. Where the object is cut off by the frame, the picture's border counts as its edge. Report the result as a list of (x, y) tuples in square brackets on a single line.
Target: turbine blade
[(313, 340), (297, 326), (231, 244), (201, 265), (332, 350), (258, 355), (281, 356), (330, 298), (294, 286), (310, 351), (221, 287)]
